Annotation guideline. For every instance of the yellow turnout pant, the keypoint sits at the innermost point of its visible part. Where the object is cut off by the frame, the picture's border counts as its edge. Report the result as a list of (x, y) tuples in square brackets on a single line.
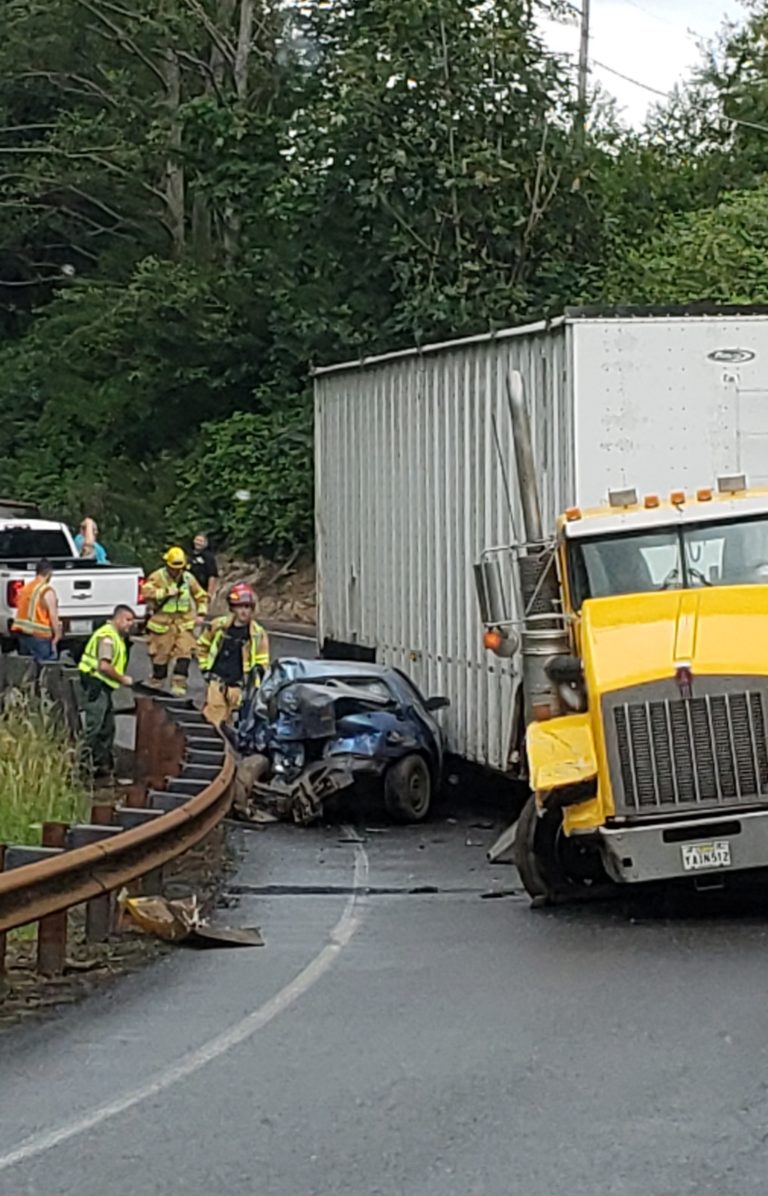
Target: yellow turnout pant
[(221, 702)]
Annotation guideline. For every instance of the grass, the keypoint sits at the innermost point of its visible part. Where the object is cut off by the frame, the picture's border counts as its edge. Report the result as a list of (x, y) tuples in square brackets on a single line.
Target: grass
[(38, 770)]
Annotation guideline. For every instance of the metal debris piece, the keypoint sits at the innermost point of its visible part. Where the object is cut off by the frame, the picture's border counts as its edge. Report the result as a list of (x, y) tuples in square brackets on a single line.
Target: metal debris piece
[(181, 920), (503, 849), (226, 936)]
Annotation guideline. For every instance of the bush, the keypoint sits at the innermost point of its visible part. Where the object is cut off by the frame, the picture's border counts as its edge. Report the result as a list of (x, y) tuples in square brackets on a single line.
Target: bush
[(269, 456)]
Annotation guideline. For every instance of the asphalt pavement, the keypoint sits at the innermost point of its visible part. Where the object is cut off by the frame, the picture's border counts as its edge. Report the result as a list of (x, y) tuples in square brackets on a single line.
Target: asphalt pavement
[(404, 1033)]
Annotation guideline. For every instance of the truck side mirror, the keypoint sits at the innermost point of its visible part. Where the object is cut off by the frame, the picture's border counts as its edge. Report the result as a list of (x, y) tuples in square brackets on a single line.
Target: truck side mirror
[(433, 704)]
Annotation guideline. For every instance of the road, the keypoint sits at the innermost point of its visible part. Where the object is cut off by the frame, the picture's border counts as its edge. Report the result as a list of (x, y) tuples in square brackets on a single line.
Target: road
[(402, 1035), (402, 1043)]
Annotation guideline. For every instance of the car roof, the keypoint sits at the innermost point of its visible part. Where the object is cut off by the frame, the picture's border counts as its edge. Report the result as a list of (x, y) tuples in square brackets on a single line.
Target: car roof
[(317, 669)]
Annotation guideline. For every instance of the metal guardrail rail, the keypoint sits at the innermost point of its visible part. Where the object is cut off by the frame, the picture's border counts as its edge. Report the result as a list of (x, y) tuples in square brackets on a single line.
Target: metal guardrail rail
[(184, 775)]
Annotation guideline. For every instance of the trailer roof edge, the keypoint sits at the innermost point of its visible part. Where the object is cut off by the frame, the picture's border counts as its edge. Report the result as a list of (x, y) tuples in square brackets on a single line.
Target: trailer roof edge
[(439, 346), (571, 315)]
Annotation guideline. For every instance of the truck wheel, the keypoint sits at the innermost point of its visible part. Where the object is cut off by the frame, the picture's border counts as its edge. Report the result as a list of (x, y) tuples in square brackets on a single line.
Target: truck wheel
[(408, 789), (536, 853)]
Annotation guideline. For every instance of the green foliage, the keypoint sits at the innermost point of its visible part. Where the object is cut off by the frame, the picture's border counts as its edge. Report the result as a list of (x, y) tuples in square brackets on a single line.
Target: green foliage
[(38, 771), (267, 460), (718, 254), (191, 215)]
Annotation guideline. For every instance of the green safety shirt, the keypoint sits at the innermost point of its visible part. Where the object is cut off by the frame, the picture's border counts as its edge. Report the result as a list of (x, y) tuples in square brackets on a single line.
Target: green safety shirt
[(89, 661)]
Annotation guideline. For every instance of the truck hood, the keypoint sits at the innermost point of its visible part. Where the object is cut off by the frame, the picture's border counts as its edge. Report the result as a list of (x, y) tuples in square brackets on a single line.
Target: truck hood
[(636, 638)]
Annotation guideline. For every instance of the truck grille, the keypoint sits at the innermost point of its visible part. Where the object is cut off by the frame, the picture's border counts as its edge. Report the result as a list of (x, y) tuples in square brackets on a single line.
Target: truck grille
[(676, 752)]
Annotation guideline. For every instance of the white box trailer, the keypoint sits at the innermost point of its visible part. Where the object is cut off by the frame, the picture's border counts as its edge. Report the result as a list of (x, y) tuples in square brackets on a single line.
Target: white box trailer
[(415, 473)]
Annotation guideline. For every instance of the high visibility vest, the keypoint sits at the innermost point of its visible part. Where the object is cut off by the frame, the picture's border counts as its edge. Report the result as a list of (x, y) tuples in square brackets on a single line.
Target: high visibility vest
[(89, 661), (32, 614), (178, 609), (255, 648)]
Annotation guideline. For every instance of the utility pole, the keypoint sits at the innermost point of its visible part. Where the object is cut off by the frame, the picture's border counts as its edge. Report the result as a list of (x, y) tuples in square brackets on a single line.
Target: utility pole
[(583, 66)]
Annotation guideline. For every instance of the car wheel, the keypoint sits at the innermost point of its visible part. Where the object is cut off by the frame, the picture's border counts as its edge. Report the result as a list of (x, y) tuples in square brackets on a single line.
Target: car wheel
[(408, 789)]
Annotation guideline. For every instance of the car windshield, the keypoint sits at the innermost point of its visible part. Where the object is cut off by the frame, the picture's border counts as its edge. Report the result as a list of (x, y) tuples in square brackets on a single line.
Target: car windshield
[(724, 553), (32, 544)]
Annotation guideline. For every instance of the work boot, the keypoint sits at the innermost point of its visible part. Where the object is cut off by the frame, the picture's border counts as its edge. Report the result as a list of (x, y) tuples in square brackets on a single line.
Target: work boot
[(179, 687)]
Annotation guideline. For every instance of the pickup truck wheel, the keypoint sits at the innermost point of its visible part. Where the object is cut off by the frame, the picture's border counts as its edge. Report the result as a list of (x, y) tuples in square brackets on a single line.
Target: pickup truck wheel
[(408, 789)]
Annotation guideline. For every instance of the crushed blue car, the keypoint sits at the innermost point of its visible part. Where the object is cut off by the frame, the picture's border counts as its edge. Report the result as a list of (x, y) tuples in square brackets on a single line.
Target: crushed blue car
[(320, 726)]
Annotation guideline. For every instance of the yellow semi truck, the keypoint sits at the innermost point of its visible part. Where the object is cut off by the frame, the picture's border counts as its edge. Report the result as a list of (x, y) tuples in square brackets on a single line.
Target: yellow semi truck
[(644, 649)]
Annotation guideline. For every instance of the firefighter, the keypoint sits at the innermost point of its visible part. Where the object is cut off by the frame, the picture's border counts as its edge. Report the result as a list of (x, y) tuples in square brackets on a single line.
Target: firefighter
[(230, 651), (179, 604)]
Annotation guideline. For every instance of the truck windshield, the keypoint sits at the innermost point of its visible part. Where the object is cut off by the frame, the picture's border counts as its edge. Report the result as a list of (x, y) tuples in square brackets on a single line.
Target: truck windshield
[(727, 553), (30, 544)]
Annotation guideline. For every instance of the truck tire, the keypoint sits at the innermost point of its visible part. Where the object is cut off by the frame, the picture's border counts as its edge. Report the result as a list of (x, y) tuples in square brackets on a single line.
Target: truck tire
[(536, 853), (408, 789)]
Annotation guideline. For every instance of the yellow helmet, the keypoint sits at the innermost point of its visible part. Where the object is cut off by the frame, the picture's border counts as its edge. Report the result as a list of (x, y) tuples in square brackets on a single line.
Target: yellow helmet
[(176, 557)]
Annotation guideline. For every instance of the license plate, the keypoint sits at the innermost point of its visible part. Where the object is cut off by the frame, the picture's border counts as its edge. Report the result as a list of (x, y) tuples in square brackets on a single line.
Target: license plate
[(81, 626), (697, 856)]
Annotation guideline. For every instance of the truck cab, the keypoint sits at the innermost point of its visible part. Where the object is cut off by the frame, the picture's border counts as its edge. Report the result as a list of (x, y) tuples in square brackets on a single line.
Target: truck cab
[(641, 632), (651, 762), (663, 763)]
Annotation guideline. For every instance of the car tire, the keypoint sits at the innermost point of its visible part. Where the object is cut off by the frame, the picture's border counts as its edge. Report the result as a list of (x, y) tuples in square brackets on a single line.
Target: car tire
[(408, 789)]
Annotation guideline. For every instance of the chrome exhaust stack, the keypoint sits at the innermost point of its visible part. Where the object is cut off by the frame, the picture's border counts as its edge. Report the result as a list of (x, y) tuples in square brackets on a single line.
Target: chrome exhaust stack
[(543, 633)]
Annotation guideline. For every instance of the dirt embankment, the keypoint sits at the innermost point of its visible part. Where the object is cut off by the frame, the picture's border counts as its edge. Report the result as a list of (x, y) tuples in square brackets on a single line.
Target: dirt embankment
[(285, 593)]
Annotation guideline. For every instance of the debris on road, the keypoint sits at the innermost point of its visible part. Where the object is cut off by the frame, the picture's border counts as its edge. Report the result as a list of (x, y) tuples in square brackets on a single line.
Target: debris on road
[(502, 851), (181, 920)]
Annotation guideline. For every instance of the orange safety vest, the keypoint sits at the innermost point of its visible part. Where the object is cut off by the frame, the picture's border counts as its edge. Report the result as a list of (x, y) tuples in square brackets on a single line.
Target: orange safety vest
[(32, 614)]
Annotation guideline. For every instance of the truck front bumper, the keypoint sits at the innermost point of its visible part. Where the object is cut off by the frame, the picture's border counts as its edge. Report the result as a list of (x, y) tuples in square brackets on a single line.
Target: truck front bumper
[(634, 854)]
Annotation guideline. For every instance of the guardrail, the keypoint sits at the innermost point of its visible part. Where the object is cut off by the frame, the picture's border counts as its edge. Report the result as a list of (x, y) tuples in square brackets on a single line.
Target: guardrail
[(183, 777)]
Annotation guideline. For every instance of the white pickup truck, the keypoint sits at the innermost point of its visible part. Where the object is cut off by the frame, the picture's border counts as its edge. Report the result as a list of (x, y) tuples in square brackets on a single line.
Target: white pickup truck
[(87, 593)]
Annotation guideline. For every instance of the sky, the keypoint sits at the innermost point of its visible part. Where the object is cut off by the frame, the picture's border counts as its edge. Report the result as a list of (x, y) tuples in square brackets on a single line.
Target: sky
[(654, 41)]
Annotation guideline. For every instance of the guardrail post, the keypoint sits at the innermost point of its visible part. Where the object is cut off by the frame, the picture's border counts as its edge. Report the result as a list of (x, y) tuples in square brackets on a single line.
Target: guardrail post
[(136, 795), (3, 936), (52, 930), (101, 813), (99, 911), (156, 731)]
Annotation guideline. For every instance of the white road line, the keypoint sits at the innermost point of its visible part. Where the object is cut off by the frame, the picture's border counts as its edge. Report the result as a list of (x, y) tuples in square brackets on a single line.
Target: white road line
[(192, 1062)]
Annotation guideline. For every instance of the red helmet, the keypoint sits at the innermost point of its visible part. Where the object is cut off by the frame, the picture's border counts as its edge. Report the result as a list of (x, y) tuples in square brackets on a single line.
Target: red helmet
[(241, 594)]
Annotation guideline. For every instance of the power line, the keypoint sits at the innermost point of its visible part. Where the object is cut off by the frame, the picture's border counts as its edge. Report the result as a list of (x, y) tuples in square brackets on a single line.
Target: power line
[(628, 79), (665, 95), (691, 33)]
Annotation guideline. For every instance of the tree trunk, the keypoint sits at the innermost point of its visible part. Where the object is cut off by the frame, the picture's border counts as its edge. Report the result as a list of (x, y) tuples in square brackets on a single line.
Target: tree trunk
[(174, 169), (232, 218), (202, 220), (243, 52)]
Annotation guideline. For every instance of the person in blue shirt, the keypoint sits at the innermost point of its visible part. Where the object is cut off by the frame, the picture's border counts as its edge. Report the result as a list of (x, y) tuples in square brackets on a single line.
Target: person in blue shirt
[(91, 547)]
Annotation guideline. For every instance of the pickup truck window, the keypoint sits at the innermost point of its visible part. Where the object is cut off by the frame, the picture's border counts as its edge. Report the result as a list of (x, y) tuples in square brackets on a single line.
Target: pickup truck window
[(725, 553), (30, 544)]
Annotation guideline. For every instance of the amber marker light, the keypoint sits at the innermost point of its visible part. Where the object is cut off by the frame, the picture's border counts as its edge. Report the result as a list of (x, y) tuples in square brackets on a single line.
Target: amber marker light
[(572, 514), (493, 640), (677, 498), (651, 501), (704, 495)]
